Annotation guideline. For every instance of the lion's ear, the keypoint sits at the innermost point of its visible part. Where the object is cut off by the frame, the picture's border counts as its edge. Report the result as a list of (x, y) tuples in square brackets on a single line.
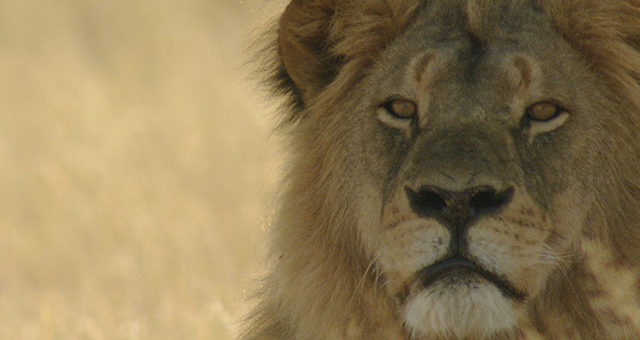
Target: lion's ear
[(304, 46), (319, 38)]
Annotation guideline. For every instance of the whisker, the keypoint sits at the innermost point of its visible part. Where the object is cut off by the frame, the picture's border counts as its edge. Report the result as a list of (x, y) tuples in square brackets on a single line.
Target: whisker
[(362, 280)]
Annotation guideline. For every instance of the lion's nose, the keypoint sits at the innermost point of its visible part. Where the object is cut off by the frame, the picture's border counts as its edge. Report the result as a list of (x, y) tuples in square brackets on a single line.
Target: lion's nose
[(457, 209)]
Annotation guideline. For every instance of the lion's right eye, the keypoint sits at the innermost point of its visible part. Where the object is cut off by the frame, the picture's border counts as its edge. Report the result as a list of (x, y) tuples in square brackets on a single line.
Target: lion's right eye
[(400, 108)]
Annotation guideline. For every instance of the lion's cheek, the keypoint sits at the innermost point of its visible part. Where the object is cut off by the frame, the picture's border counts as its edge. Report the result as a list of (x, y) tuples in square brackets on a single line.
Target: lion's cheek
[(516, 253), (408, 247)]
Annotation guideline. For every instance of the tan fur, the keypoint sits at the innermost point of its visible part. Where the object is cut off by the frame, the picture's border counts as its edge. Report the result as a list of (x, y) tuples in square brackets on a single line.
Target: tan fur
[(351, 248)]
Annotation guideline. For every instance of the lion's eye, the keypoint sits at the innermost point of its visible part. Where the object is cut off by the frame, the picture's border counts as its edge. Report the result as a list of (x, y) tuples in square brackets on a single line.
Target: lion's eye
[(543, 117), (401, 108), (544, 111)]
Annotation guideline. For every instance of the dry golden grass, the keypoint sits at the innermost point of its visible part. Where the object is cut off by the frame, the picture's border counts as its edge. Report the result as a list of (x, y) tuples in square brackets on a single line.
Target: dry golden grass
[(133, 168)]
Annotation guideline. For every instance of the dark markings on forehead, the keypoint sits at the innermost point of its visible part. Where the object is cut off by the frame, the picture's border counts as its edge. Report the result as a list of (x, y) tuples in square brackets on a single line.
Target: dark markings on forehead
[(472, 27), (485, 18), (482, 19), (472, 56)]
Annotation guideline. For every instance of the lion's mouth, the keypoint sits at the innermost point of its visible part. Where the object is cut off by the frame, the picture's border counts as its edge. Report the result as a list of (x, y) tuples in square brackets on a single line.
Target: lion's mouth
[(457, 269)]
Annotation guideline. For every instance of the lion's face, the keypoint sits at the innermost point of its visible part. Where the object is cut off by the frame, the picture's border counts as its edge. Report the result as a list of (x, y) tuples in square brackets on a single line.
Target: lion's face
[(459, 169), (478, 169)]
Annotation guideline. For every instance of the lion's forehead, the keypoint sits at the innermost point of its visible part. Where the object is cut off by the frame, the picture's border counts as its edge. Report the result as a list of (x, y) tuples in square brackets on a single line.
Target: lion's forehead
[(480, 77), (450, 56)]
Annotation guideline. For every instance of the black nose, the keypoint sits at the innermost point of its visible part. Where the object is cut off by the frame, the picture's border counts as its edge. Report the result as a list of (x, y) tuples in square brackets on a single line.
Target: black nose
[(458, 208)]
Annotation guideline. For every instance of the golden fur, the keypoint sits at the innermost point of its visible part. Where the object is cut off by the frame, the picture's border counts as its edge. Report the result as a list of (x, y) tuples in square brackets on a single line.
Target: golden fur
[(429, 196)]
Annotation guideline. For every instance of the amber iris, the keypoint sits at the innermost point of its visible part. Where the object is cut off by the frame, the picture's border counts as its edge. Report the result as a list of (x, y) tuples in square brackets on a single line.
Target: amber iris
[(543, 111), (401, 108)]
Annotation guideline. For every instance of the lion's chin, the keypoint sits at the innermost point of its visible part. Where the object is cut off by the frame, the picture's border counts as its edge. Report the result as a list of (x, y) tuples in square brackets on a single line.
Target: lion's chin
[(462, 310)]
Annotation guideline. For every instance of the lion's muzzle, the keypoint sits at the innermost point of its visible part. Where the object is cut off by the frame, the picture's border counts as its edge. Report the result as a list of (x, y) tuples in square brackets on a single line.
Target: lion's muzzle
[(457, 210)]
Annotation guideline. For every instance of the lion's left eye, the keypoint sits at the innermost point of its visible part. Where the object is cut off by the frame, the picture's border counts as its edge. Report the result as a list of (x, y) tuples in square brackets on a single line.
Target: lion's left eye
[(401, 108), (543, 117), (544, 111)]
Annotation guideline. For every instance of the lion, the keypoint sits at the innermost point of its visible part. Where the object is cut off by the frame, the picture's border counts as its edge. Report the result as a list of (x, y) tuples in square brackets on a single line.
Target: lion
[(457, 169)]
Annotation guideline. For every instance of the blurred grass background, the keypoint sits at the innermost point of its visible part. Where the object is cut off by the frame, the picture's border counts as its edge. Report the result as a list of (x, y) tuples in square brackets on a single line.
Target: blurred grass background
[(135, 167)]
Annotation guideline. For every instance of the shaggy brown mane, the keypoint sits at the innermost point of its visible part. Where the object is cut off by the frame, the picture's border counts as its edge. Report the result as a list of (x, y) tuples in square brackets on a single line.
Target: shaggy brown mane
[(608, 33)]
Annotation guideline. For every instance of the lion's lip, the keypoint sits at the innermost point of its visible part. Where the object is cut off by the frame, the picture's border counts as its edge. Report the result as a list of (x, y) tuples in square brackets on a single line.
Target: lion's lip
[(458, 266)]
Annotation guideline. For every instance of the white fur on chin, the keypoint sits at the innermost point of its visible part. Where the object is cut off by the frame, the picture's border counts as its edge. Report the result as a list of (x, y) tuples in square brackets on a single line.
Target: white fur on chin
[(475, 310)]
